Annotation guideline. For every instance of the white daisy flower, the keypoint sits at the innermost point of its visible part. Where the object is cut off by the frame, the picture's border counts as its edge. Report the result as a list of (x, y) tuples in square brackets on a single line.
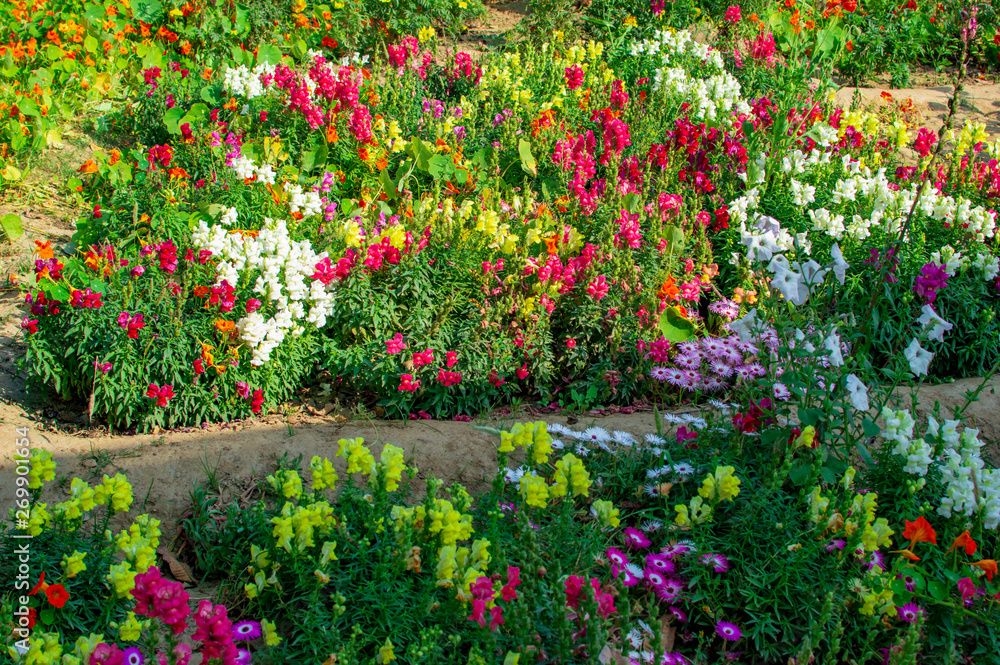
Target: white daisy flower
[(624, 438), (596, 434), (655, 439)]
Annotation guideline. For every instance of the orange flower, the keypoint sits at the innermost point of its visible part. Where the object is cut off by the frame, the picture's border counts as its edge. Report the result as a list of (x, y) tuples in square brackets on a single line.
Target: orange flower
[(87, 167), (668, 290), (886, 95), (964, 541), (201, 291), (331, 134), (552, 244), (919, 531), (41, 586), (850, 45), (178, 172), (907, 554), (45, 251), (206, 73), (224, 326), (988, 566)]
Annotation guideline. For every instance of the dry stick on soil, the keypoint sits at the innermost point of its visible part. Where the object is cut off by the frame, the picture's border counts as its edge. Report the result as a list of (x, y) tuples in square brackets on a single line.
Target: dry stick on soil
[(891, 251)]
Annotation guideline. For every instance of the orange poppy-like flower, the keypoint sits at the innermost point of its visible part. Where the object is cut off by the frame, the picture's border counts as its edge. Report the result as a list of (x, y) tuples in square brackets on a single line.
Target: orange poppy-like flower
[(87, 167), (442, 146), (988, 566), (201, 291), (331, 134), (886, 95), (231, 105), (668, 290), (381, 163), (964, 541), (552, 244), (186, 47), (178, 172), (850, 44), (57, 595), (224, 326), (906, 554), (919, 531), (44, 249), (115, 156), (206, 73)]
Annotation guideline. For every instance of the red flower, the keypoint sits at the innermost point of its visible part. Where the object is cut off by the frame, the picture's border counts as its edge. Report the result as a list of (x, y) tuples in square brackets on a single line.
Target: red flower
[(57, 595), (570, 343), (919, 531), (964, 541), (41, 586), (199, 366), (257, 401), (161, 395)]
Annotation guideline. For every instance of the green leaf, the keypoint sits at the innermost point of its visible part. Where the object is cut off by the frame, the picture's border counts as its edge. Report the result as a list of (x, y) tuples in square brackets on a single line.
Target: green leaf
[(870, 428), (528, 162), (212, 95), (299, 49), (800, 472), (197, 113), (90, 44), (938, 590), (11, 225), (865, 455), (437, 166), (675, 239), (388, 186), (810, 417), (269, 53), (676, 328), (172, 120)]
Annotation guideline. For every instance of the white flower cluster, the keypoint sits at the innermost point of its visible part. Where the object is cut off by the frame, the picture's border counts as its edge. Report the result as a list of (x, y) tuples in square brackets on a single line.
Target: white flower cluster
[(969, 486), (246, 82), (308, 202), (953, 260), (709, 97), (283, 268)]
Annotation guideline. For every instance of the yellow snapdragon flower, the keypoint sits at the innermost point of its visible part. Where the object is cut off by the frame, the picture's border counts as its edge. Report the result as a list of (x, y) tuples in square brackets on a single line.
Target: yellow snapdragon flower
[(606, 513), (324, 475), (534, 490), (72, 564)]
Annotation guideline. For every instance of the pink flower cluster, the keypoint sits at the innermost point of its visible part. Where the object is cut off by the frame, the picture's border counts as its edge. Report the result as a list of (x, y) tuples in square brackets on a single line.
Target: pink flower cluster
[(132, 323), (483, 593), (157, 598), (574, 592), (215, 632)]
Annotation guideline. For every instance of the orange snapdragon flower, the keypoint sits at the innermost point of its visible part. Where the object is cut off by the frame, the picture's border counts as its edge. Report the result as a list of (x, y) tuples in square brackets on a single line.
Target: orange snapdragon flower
[(966, 542)]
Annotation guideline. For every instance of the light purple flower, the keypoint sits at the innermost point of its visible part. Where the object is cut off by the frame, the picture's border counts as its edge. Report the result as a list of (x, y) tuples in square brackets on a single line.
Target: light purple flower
[(730, 632)]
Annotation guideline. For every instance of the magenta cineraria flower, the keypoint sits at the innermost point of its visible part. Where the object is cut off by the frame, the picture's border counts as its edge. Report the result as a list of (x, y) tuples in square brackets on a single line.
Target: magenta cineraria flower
[(670, 590), (616, 556), (660, 562), (717, 562), (636, 538), (132, 656), (631, 574), (245, 631), (730, 632), (678, 613)]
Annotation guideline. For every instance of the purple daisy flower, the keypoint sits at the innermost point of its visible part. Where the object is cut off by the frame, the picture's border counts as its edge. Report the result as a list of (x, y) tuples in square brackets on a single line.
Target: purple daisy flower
[(692, 379), (660, 562), (744, 373), (731, 356), (673, 658), (688, 361), (670, 590), (678, 613), (629, 578), (712, 346), (756, 369), (721, 368), (243, 657), (132, 656), (675, 377), (714, 384), (659, 373), (636, 538), (730, 632), (717, 562), (725, 308), (836, 544), (245, 631), (690, 346), (910, 612), (616, 556)]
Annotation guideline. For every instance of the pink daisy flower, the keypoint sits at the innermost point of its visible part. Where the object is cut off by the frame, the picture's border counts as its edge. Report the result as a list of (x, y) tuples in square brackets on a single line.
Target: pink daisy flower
[(714, 384), (678, 613), (717, 562), (910, 612), (243, 657), (721, 368), (654, 577), (687, 361), (245, 631), (660, 562), (692, 379), (671, 551), (636, 538), (617, 557), (730, 632), (670, 590), (675, 377)]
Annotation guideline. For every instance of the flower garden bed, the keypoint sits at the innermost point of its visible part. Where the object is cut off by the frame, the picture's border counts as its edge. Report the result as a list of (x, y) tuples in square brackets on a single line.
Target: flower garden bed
[(332, 203)]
